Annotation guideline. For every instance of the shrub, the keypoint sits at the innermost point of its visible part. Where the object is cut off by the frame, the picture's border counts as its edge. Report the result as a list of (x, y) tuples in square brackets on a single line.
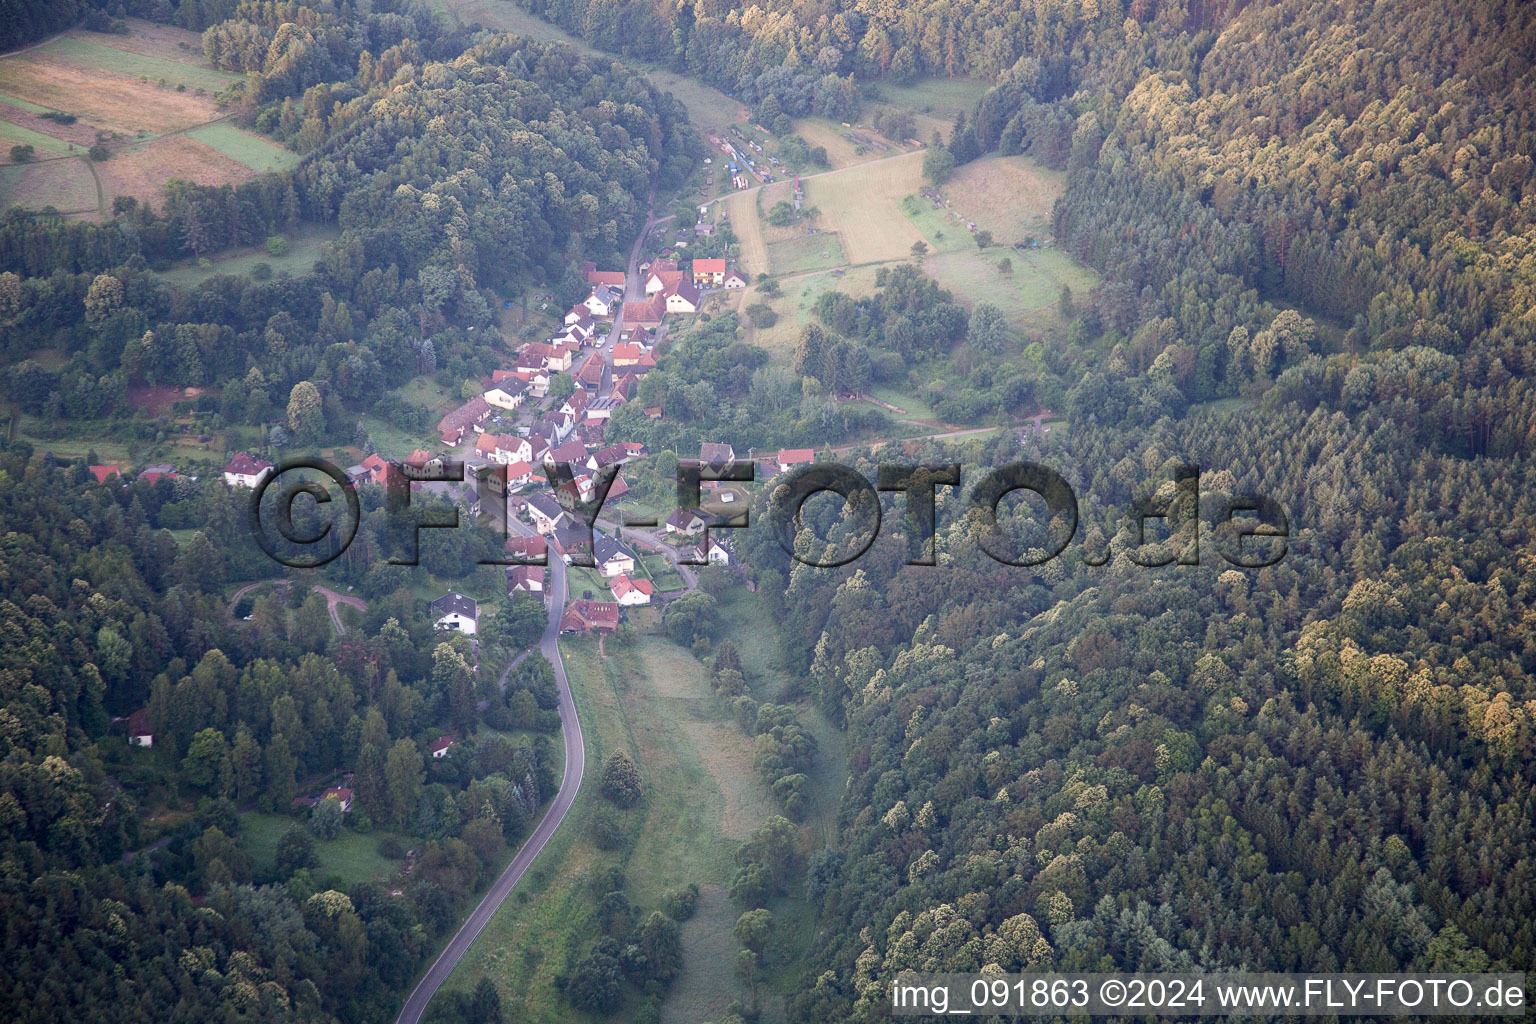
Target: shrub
[(390, 847), (608, 831), (762, 315), (99, 152), (277, 245), (680, 904), (261, 272), (621, 780), (21, 154)]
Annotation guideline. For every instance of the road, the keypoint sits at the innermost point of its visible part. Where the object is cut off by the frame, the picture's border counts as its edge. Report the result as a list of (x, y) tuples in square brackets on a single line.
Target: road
[(332, 599), (570, 782)]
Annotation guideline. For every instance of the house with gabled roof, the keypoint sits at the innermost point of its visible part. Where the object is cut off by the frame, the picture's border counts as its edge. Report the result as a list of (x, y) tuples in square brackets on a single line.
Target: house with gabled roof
[(157, 471), (544, 512), (466, 417), (789, 458), (585, 616), (733, 280), (590, 374), (684, 297), (709, 273), (612, 555), (246, 470), (614, 454), (602, 408), (455, 611), (527, 549), (611, 278), (627, 354), (572, 451), (525, 579), (712, 553), (716, 455), (102, 473), (603, 300), (440, 746), (647, 314), (508, 396), (140, 732), (687, 521), (628, 592)]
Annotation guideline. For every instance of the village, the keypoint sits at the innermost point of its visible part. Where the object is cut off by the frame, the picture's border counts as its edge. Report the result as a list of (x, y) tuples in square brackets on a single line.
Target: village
[(606, 344)]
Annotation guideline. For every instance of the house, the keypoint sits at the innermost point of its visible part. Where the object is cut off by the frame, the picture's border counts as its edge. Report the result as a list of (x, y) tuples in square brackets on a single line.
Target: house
[(583, 326), (639, 336), (441, 745), (569, 538), (576, 406), (617, 489), (715, 455), (158, 470), (466, 417), (627, 354), (555, 427), (602, 301), (789, 458), (508, 398), (572, 451), (525, 579), (684, 298), (377, 470), (718, 554), (611, 278), (544, 512), (734, 279), (139, 732), (613, 455), (624, 388), (663, 277), (602, 408), (653, 413), (585, 616), (528, 549), (590, 374), (686, 521), (101, 473), (245, 470), (612, 556), (540, 355), (419, 465), (591, 431), (635, 448), (647, 314), (646, 364), (455, 611), (629, 592), (708, 273), (519, 473), (341, 794)]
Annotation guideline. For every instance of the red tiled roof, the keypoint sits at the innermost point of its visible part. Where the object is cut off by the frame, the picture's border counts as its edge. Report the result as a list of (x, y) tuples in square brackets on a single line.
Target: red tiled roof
[(708, 267), (102, 472)]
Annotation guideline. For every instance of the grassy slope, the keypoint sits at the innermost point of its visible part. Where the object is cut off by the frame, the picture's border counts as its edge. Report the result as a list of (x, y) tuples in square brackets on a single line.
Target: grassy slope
[(653, 702), (252, 150)]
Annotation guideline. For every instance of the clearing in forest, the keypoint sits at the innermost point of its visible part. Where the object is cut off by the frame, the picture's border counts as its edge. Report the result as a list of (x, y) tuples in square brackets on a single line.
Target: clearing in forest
[(66, 185), (253, 151), (142, 170), (863, 205)]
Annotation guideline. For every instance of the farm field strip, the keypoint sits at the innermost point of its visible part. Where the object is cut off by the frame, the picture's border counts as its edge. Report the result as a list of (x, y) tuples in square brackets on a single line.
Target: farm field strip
[(90, 54), (863, 205), (112, 100), (18, 134), (66, 185), (251, 150)]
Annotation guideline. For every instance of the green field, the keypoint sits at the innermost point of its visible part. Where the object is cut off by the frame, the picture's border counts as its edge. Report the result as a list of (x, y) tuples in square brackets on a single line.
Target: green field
[(66, 185), (108, 58), (44, 144), (942, 97), (661, 572), (305, 246), (655, 703), (806, 252), (255, 152), (352, 856), (1028, 296), (943, 231)]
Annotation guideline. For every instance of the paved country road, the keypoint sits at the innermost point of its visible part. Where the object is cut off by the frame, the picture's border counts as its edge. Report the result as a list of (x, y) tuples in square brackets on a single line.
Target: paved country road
[(570, 782)]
